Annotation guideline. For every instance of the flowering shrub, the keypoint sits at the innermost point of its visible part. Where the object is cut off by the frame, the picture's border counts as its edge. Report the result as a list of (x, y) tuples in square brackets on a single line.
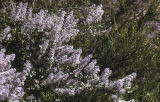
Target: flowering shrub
[(68, 73), (55, 65), (59, 29), (11, 82), (84, 70)]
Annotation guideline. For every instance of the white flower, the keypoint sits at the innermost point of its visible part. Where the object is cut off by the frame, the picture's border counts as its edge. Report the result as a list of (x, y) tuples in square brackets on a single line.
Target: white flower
[(94, 14)]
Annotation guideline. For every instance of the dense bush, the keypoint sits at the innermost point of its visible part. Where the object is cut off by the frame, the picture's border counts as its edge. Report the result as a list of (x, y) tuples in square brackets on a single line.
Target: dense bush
[(44, 41)]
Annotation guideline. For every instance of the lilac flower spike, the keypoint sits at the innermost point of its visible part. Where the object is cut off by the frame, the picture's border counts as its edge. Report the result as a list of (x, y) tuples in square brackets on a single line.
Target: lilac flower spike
[(11, 82)]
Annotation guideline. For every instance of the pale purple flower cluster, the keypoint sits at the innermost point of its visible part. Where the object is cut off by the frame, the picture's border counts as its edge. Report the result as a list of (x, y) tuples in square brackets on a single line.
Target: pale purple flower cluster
[(117, 99), (63, 29), (62, 57), (5, 34), (56, 27), (11, 82), (123, 84), (18, 13), (51, 55), (44, 46), (71, 92), (85, 69), (60, 76), (95, 14)]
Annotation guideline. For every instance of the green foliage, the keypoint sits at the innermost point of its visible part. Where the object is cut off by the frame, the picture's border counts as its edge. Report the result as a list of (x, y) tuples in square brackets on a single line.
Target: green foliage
[(126, 52)]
